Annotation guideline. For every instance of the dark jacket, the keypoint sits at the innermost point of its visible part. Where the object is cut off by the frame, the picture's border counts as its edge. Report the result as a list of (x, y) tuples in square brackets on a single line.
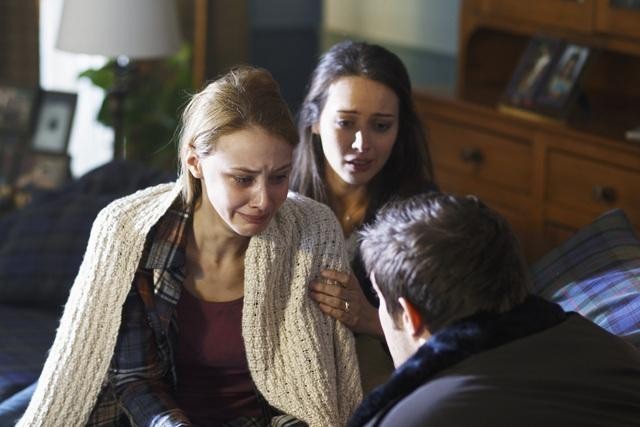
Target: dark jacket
[(524, 368)]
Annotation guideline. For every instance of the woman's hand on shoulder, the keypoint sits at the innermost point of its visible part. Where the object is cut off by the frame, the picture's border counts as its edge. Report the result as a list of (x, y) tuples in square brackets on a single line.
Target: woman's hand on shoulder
[(340, 296)]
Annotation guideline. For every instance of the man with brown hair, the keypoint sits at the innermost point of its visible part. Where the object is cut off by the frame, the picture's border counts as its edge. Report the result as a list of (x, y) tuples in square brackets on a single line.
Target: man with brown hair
[(470, 343)]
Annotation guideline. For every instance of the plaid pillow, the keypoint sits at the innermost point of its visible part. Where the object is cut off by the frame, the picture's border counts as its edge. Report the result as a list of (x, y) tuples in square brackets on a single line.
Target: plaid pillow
[(42, 248), (43, 244), (597, 274)]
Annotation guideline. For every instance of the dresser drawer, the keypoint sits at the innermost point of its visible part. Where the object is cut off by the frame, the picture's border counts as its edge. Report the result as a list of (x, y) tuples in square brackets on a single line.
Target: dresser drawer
[(492, 158), (591, 184)]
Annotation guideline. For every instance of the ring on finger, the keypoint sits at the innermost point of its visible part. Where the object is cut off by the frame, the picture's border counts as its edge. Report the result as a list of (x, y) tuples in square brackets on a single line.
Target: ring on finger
[(333, 282), (346, 306)]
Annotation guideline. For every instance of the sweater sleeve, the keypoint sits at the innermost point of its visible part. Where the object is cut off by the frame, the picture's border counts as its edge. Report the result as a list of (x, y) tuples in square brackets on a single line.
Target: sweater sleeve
[(332, 254), (302, 361)]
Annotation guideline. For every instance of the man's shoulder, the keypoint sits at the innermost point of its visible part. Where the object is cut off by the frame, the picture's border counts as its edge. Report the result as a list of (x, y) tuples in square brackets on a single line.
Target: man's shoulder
[(434, 403), (575, 362)]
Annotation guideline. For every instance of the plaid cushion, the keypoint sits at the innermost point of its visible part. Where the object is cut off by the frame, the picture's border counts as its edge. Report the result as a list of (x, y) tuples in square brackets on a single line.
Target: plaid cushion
[(25, 337), (42, 244), (597, 274), (42, 248)]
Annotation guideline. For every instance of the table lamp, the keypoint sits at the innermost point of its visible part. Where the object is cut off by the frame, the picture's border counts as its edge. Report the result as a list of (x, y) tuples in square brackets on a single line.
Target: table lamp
[(124, 30)]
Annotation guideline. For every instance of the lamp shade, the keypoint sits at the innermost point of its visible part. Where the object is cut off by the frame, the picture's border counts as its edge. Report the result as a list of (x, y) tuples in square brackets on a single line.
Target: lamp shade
[(137, 29)]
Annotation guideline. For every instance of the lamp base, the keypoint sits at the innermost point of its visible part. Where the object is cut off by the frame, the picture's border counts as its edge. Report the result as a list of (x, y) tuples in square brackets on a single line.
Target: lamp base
[(117, 95)]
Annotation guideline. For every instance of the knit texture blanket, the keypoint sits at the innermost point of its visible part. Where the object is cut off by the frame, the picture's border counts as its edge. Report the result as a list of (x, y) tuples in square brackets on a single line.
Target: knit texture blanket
[(301, 360)]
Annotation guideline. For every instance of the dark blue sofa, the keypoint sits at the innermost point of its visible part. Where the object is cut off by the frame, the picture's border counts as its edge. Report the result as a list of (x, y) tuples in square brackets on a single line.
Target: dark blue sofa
[(41, 247)]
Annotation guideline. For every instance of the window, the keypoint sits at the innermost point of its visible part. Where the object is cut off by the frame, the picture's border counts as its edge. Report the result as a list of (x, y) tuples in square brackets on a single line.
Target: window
[(91, 143)]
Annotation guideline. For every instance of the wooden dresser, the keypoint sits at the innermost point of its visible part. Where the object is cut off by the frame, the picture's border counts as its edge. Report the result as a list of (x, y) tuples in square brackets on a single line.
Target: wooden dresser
[(548, 178)]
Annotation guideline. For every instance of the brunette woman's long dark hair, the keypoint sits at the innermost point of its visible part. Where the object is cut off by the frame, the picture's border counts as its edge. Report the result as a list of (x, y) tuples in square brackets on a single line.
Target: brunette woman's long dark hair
[(408, 170)]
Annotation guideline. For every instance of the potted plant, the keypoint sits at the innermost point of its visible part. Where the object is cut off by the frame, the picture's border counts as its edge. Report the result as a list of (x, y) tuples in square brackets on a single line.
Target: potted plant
[(156, 92)]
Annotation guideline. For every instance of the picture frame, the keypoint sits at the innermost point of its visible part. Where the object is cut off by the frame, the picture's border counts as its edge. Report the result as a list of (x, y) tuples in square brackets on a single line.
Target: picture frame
[(560, 88), (531, 72), (546, 80), (17, 105), (17, 110), (43, 171), (56, 111)]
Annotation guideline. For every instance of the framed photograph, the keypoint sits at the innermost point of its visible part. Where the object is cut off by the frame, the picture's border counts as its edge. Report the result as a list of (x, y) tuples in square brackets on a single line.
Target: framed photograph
[(560, 88), (531, 72), (17, 109), (17, 105), (53, 122), (546, 80), (43, 171)]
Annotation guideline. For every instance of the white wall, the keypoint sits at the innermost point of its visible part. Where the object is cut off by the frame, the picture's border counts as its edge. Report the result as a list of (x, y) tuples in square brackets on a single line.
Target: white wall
[(423, 24)]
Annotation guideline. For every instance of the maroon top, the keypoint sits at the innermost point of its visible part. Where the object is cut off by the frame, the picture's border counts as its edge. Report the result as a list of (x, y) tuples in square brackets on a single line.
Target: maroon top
[(214, 384)]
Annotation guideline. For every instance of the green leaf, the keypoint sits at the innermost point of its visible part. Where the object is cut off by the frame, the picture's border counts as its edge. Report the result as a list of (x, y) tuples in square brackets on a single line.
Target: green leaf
[(101, 77), (152, 107)]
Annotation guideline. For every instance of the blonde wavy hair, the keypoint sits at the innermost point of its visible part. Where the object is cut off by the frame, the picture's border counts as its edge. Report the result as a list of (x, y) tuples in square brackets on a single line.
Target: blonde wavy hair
[(244, 97)]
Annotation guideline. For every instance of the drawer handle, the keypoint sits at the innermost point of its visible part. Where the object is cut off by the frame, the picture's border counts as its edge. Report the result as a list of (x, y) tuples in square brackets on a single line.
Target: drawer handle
[(472, 155), (604, 193)]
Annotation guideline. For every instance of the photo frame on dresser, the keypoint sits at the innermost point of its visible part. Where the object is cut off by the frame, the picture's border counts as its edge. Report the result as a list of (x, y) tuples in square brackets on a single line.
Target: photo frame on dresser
[(34, 137), (18, 106), (44, 164), (43, 170), (560, 88), (531, 72), (53, 123), (547, 78)]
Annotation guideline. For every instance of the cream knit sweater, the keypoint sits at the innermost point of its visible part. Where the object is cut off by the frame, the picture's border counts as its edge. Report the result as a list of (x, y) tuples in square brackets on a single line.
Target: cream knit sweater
[(301, 360)]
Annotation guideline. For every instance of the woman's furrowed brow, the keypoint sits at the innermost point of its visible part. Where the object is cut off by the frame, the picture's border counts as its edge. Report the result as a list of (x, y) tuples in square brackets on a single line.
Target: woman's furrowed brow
[(257, 171)]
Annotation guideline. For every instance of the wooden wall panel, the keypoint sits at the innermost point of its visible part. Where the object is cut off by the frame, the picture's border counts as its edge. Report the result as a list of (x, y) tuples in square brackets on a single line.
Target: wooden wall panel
[(19, 55)]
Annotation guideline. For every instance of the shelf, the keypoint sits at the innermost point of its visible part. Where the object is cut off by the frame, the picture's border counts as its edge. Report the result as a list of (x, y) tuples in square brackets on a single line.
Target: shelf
[(593, 129), (609, 103)]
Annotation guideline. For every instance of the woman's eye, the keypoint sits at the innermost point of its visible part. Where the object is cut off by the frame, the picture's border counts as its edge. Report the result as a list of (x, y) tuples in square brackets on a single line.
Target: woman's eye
[(243, 180), (278, 179), (382, 127), (344, 123)]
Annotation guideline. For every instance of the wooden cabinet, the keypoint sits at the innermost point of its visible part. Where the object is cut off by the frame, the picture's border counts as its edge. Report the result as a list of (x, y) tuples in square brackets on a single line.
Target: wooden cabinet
[(548, 178), (615, 18), (499, 160), (576, 15), (589, 184)]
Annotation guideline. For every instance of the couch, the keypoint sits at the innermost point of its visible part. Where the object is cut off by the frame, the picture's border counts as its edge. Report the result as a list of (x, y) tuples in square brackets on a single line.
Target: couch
[(41, 247)]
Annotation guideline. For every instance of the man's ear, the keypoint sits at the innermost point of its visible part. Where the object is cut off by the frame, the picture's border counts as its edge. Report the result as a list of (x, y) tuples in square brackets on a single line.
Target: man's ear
[(193, 164), (412, 321)]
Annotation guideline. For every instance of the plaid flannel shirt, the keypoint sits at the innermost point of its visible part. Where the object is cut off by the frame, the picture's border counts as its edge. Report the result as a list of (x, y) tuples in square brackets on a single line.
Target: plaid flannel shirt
[(142, 372)]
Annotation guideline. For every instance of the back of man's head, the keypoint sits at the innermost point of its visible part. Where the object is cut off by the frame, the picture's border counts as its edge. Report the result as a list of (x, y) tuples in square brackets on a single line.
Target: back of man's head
[(449, 256)]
